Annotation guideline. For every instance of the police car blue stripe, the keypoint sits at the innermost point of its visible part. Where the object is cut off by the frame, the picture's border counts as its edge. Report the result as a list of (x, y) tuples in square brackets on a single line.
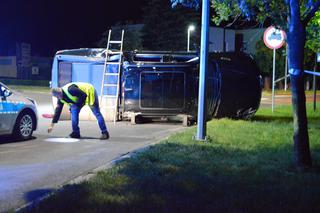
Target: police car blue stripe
[(11, 107)]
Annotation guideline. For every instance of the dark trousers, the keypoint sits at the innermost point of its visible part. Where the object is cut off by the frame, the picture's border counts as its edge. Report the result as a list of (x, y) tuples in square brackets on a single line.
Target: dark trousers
[(75, 110)]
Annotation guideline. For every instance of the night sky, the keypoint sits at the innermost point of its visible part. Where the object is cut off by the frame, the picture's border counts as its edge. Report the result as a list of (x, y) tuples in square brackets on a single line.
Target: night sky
[(51, 25)]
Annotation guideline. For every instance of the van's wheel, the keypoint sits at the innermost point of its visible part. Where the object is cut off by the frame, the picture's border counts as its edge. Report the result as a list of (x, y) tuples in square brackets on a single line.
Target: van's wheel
[(24, 126)]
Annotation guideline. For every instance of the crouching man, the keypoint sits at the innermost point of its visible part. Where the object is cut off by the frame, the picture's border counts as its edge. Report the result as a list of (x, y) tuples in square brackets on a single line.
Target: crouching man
[(76, 95)]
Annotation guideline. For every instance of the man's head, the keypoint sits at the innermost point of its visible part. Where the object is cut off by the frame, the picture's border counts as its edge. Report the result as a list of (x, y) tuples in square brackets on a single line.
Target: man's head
[(57, 92)]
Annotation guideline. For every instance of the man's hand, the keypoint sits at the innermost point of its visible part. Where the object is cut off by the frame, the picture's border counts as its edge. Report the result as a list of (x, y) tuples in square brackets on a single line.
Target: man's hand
[(50, 128)]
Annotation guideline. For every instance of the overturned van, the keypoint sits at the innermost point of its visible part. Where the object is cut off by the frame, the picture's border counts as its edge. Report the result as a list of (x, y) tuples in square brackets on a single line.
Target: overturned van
[(163, 84)]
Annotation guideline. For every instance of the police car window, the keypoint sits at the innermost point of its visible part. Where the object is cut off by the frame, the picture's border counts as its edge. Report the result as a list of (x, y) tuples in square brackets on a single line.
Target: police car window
[(2, 89), (7, 93)]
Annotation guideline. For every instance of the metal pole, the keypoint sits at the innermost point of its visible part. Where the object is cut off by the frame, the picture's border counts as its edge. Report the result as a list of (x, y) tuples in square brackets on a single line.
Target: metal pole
[(314, 93), (273, 77), (314, 85), (188, 44), (201, 129), (286, 70), (224, 39)]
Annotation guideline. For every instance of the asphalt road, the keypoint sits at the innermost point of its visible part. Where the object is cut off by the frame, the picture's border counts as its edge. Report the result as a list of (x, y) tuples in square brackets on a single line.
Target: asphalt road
[(36, 167)]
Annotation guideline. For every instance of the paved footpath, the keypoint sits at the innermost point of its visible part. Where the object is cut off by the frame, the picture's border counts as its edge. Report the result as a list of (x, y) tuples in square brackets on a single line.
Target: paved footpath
[(266, 101)]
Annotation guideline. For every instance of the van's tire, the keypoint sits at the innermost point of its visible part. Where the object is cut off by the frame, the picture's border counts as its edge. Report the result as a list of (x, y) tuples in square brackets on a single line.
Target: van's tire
[(24, 126)]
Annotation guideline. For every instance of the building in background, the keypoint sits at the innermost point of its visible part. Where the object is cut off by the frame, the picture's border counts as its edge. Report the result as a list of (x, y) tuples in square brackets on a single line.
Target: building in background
[(229, 40), (8, 66), (16, 61), (221, 40), (247, 39)]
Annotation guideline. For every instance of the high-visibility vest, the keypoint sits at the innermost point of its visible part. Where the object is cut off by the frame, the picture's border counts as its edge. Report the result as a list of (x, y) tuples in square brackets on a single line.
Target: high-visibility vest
[(87, 88)]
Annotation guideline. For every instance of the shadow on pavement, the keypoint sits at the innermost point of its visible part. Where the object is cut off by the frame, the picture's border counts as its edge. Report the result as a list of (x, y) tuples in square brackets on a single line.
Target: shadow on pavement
[(89, 138), (36, 194), (157, 120), (9, 139), (34, 197)]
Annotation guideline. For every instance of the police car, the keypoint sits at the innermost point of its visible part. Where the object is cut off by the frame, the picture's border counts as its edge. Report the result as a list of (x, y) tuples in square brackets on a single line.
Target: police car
[(18, 114)]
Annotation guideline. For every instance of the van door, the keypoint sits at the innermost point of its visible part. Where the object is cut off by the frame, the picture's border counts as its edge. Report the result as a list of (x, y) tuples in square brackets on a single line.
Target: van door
[(162, 90)]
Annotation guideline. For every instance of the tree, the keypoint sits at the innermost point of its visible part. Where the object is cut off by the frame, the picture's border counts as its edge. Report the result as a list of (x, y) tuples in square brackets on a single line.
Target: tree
[(313, 34), (292, 16), (132, 36), (264, 57), (166, 28), (313, 42)]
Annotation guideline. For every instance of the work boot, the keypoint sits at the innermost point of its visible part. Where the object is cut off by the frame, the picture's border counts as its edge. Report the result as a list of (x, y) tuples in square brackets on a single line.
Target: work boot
[(74, 135), (105, 136)]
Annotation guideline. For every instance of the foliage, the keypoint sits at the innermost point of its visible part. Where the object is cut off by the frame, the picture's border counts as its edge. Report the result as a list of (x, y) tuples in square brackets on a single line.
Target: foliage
[(313, 41), (264, 59), (313, 35), (230, 173), (225, 10), (309, 59), (166, 28), (186, 3), (132, 36)]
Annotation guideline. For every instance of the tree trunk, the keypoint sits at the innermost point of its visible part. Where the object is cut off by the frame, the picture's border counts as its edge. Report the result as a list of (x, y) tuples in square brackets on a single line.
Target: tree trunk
[(296, 41), (302, 155)]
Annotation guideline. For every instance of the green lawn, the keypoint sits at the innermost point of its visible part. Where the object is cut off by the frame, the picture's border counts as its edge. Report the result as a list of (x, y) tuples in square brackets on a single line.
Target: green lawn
[(246, 166), (27, 85), (21, 88)]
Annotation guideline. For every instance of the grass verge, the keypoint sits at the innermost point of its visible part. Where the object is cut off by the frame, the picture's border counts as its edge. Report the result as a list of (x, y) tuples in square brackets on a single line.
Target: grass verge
[(26, 85), (22, 88), (246, 166)]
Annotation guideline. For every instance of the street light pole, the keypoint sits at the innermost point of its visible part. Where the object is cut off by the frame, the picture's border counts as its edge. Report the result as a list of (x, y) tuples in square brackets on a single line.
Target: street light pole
[(202, 126), (190, 28)]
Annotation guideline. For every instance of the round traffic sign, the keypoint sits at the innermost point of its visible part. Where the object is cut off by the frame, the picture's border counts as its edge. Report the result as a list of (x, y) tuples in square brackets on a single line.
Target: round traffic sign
[(274, 38)]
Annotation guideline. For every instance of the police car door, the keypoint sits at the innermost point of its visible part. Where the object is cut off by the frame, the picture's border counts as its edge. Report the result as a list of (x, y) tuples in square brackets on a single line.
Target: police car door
[(6, 116)]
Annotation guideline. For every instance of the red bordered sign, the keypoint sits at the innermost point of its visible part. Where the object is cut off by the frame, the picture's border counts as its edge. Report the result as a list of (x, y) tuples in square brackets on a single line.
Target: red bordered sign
[(274, 38)]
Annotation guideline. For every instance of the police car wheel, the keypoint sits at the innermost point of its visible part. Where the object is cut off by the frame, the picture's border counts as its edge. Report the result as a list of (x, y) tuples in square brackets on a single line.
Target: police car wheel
[(24, 126)]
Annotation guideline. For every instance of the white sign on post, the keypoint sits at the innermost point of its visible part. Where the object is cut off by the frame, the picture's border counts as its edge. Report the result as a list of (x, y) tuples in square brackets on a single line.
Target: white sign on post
[(274, 38), (318, 57)]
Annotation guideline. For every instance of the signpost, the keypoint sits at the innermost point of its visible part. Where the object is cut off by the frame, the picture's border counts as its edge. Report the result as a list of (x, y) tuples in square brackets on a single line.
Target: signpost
[(314, 83), (274, 39)]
